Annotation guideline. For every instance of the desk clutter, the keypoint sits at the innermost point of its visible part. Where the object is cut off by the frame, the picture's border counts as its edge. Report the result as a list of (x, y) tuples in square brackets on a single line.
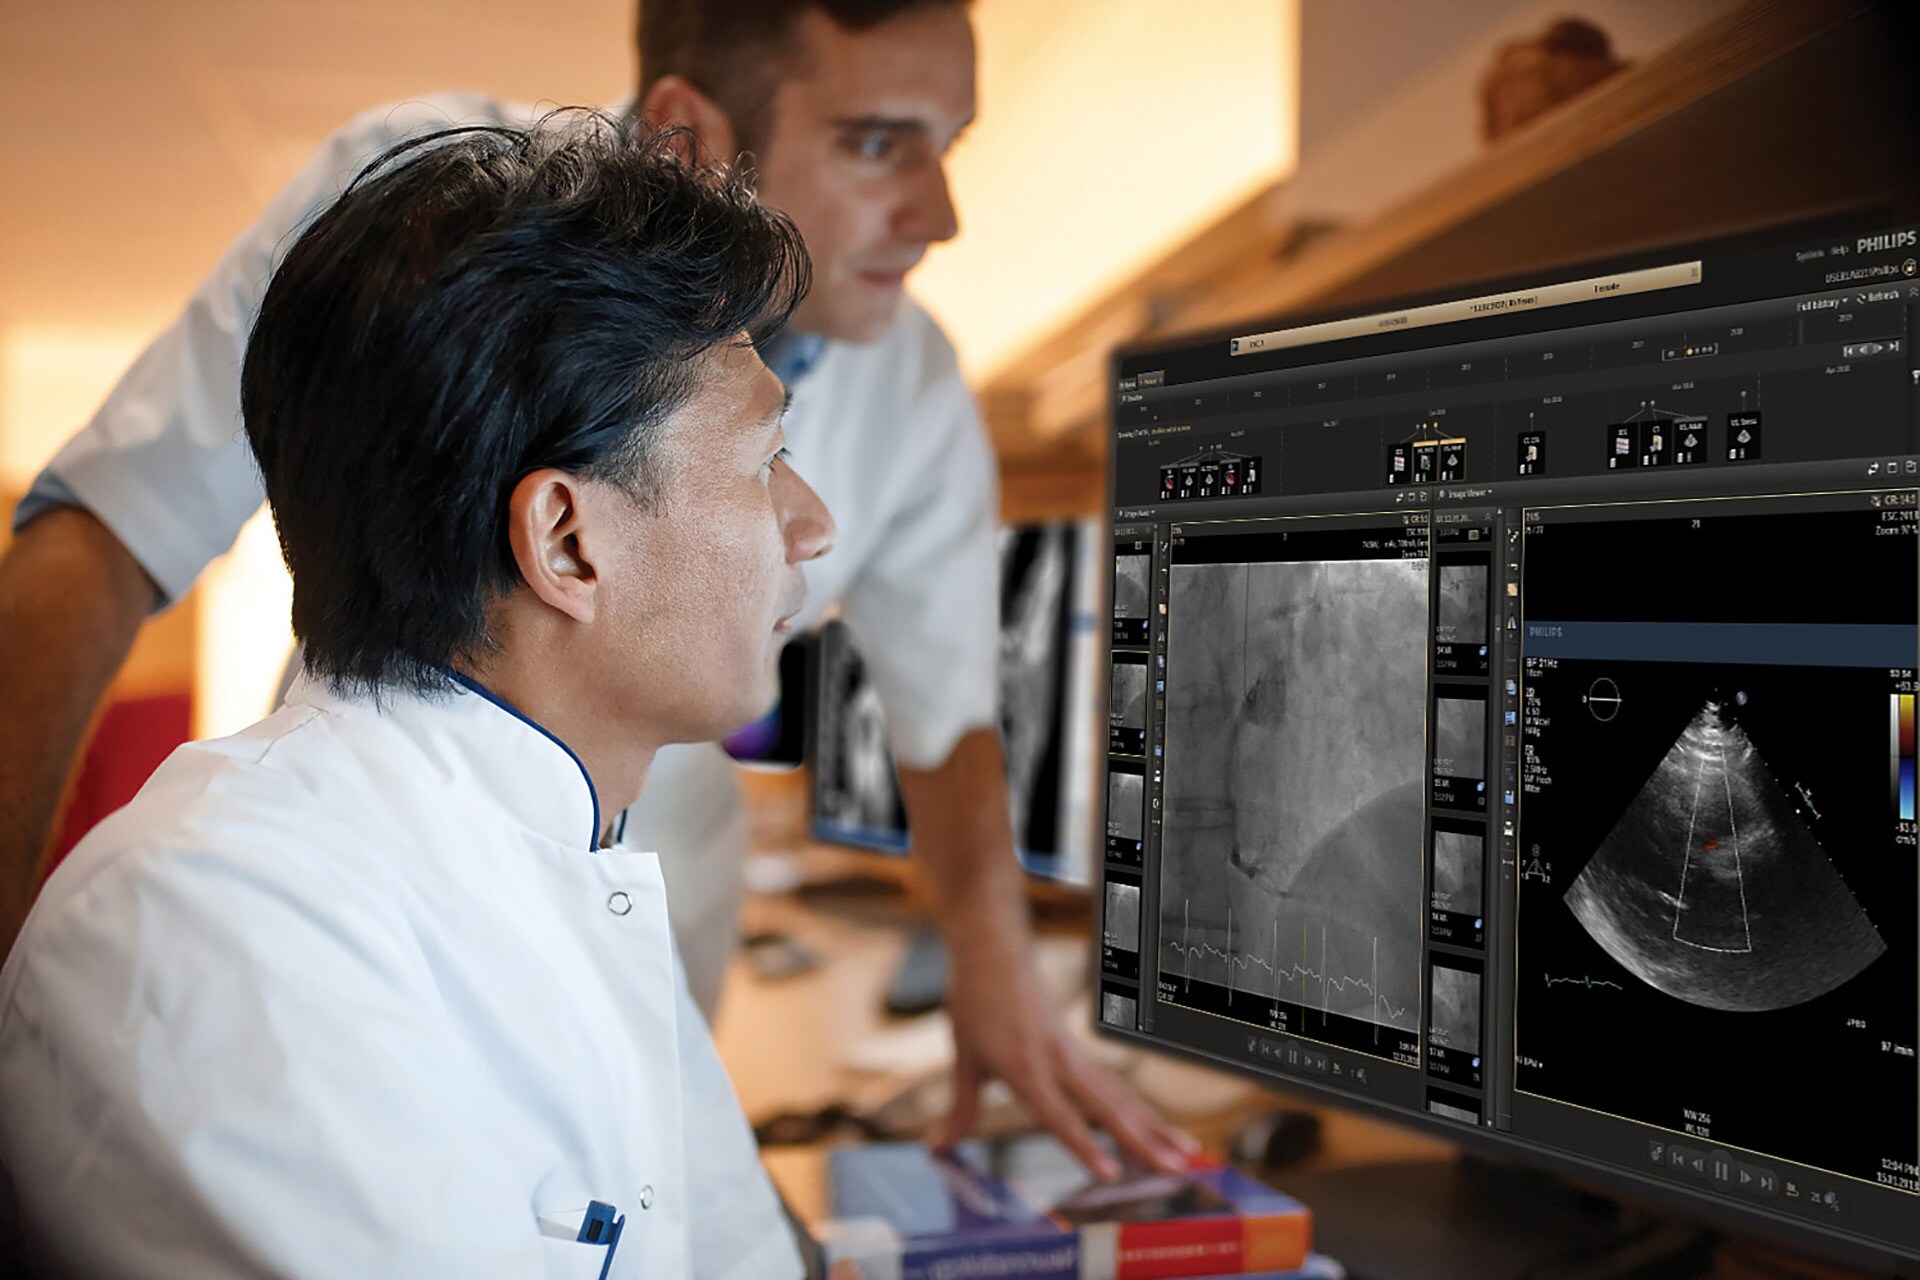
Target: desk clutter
[(1024, 1207)]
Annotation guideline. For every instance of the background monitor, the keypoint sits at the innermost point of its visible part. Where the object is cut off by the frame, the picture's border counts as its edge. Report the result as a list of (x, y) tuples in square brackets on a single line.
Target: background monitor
[(1528, 734), (1049, 657)]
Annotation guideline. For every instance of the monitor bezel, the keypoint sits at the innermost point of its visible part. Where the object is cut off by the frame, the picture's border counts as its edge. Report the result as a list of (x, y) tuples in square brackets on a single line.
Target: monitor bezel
[(1831, 1243)]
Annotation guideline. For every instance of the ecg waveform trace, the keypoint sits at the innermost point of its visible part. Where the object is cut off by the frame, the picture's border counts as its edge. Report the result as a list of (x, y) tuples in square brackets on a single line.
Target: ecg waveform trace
[(1591, 984), (1186, 950)]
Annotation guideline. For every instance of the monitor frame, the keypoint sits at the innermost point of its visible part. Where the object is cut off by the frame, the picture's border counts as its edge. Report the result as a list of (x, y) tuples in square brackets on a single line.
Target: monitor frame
[(1840, 1246)]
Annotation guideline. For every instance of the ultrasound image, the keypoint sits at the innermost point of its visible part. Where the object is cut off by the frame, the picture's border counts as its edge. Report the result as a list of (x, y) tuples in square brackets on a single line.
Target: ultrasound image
[(1712, 889), (1129, 706), (1117, 1010), (1460, 738), (1125, 793), (1457, 862), (1130, 595), (1453, 1015), (1463, 605), (1123, 916), (1293, 792)]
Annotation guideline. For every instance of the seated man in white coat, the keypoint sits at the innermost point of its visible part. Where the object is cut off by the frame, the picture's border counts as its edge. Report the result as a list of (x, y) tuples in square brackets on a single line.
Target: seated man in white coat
[(360, 991)]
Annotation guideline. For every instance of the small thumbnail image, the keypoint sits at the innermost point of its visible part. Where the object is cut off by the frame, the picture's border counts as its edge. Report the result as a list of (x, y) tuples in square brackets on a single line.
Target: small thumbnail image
[(1453, 1011), (1460, 739), (1118, 1010), (1129, 707), (1457, 859), (1463, 604), (1122, 928), (1126, 793), (1130, 594)]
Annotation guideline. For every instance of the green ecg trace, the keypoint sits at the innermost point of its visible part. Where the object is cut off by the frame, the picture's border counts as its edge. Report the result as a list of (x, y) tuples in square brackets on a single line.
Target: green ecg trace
[(1589, 983)]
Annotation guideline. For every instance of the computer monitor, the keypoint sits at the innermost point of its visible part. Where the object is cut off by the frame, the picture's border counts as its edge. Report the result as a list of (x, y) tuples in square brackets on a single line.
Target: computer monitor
[(1529, 739), (1050, 649)]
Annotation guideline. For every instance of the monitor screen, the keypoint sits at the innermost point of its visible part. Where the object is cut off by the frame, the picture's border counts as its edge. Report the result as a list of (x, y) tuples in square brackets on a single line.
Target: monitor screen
[(1049, 651), (1518, 732)]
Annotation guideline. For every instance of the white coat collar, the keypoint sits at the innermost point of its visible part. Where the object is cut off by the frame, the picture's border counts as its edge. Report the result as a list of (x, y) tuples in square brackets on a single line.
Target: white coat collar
[(481, 742)]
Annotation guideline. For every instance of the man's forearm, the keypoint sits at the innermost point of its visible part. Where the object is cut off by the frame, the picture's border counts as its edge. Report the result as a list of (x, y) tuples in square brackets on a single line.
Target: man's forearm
[(963, 843), (71, 601)]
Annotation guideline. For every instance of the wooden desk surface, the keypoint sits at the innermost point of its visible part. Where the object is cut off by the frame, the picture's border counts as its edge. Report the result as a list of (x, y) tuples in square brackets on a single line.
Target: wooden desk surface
[(798, 1043)]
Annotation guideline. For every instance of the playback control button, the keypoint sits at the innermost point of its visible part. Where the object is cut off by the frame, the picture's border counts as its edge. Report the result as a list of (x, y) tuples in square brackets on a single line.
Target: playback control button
[(1717, 1167), (1687, 1161)]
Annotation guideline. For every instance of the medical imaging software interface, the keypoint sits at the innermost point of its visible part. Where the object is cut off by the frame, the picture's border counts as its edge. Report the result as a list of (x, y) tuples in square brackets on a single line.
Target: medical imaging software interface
[(1512, 716)]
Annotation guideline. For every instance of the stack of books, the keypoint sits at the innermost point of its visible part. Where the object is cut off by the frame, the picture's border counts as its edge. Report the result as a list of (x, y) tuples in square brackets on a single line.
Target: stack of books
[(1024, 1209)]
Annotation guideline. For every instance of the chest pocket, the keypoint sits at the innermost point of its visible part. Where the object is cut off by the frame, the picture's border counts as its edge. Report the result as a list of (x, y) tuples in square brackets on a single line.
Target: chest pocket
[(571, 1259)]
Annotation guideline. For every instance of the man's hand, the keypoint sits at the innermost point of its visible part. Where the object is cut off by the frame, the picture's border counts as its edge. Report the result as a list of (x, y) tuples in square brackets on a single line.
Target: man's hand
[(71, 601), (1002, 1024)]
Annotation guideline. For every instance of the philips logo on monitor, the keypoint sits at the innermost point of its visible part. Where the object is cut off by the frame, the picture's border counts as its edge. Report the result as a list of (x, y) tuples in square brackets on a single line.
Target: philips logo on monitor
[(1890, 240)]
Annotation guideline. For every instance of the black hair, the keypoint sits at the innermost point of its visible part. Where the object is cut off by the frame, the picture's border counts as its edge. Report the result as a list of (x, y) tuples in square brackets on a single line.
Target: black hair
[(479, 304), (737, 51)]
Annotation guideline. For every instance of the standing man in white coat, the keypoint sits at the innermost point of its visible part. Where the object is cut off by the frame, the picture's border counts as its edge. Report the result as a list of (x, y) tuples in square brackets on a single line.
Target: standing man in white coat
[(359, 991), (847, 109)]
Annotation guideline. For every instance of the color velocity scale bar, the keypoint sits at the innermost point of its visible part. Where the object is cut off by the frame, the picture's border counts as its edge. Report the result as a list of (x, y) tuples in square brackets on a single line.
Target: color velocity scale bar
[(1901, 741)]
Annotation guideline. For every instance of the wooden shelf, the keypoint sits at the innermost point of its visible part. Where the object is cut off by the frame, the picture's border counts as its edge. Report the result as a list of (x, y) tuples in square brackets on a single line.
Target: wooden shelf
[(1783, 111)]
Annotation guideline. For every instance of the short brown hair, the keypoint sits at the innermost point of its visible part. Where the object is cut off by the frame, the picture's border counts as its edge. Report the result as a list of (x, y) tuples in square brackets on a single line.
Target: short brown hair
[(737, 51)]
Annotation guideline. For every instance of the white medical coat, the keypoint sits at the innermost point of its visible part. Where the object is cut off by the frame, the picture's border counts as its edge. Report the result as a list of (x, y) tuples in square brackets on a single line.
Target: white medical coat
[(885, 431), (350, 994)]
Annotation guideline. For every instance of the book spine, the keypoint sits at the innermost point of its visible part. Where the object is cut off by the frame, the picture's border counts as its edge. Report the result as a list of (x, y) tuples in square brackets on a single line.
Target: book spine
[(987, 1259), (1175, 1250)]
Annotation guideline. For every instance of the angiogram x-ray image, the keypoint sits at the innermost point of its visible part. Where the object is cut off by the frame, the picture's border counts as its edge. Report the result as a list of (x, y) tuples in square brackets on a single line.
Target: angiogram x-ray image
[(1123, 916), (1126, 792), (1460, 738), (1130, 595), (1129, 706), (1463, 605), (1457, 861), (1293, 792), (1453, 1017)]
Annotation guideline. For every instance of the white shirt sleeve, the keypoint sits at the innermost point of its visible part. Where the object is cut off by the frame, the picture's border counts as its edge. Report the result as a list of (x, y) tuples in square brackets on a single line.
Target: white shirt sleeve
[(164, 463), (926, 605)]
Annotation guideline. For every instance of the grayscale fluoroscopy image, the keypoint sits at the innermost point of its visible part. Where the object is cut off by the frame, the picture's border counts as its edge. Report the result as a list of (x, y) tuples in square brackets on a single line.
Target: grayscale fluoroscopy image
[(1292, 846), (1130, 595), (1125, 794), (1457, 860), (1453, 1015)]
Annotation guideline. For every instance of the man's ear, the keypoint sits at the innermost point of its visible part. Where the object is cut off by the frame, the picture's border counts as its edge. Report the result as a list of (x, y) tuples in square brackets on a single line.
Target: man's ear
[(549, 529), (674, 102)]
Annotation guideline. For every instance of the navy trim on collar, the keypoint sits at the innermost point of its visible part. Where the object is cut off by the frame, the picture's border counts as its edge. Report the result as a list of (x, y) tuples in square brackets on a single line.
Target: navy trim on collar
[(791, 354), (474, 686)]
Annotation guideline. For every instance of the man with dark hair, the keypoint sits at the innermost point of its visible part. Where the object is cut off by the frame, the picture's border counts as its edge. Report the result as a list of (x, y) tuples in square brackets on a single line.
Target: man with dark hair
[(845, 110), (357, 992)]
